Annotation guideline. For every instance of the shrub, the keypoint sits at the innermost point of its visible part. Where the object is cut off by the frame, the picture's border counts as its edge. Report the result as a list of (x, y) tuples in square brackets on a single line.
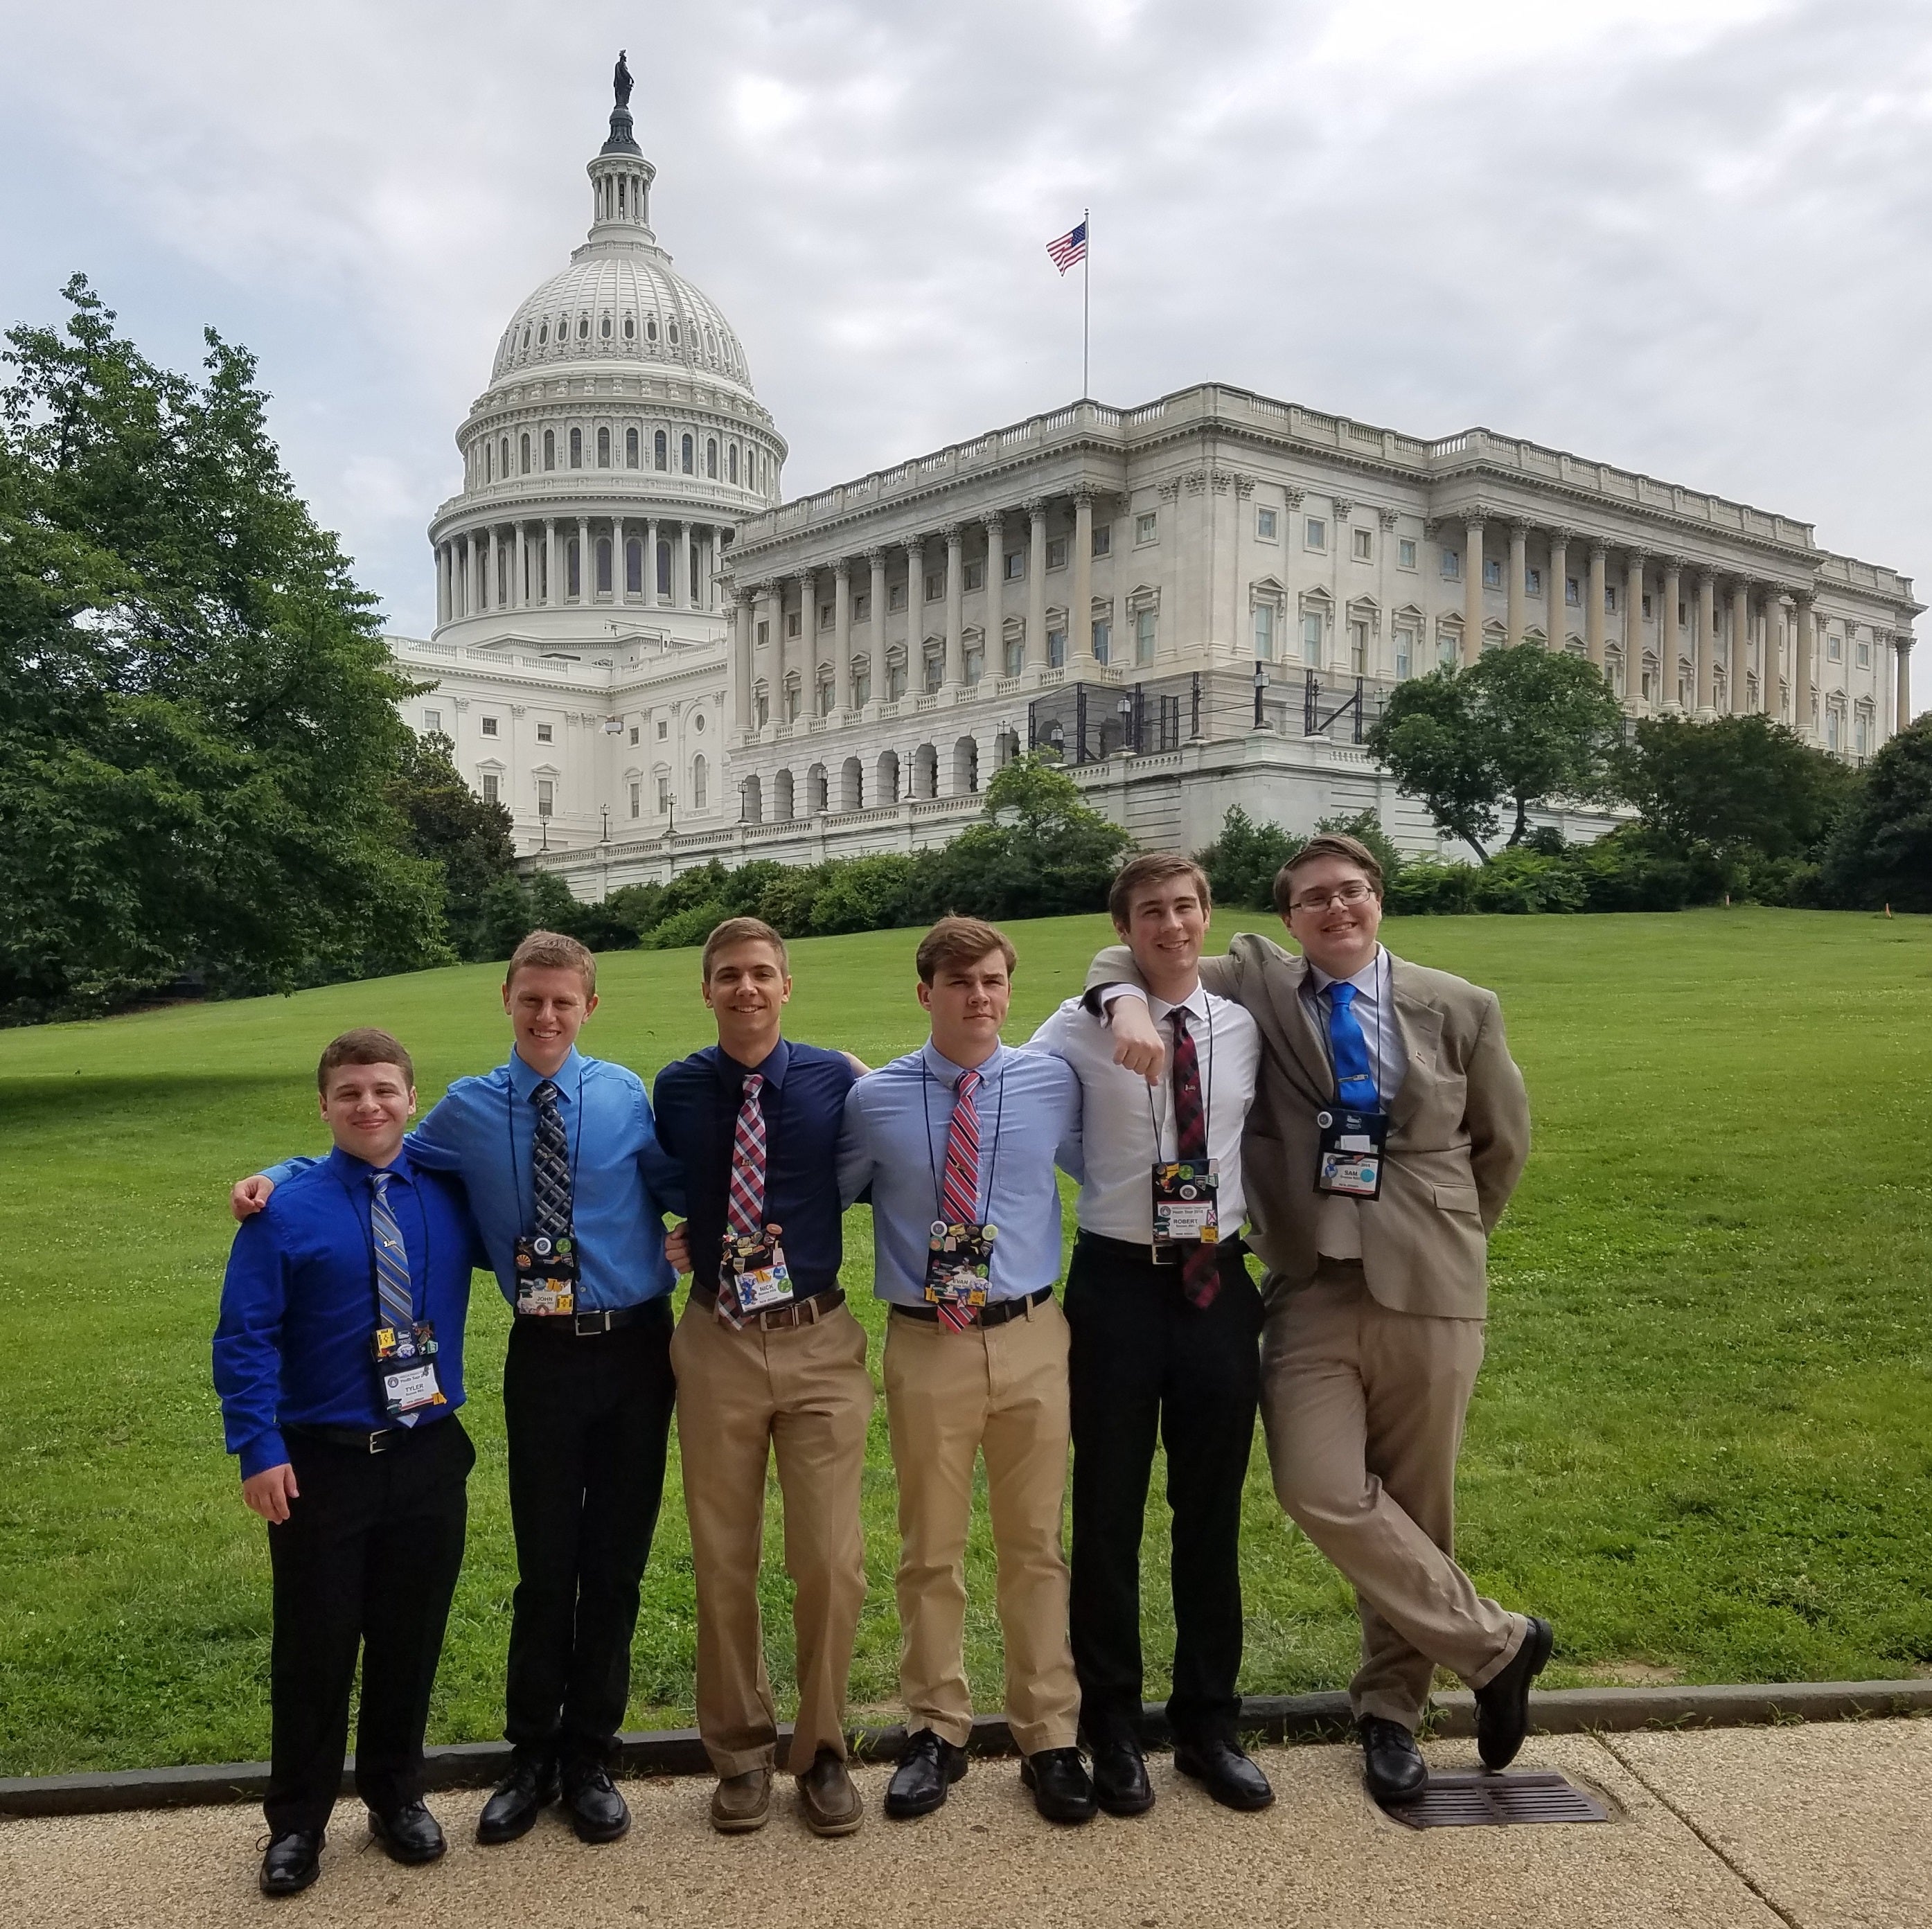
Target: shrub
[(692, 925), (1241, 862), (863, 894)]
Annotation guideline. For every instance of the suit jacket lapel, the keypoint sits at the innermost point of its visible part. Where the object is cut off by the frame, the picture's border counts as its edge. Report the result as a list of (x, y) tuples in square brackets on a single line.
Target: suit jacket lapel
[(1419, 1026), (1296, 1030)]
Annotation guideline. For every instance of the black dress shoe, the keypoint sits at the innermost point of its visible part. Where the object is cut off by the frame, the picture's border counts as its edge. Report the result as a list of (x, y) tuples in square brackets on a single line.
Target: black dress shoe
[(597, 1811), (1062, 1790), (930, 1766), (1121, 1784), (292, 1861), (1225, 1772), (1502, 1706), (530, 1787), (409, 1834), (1392, 1764)]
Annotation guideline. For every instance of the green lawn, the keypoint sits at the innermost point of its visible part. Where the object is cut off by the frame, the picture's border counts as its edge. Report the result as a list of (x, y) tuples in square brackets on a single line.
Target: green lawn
[(1702, 1442)]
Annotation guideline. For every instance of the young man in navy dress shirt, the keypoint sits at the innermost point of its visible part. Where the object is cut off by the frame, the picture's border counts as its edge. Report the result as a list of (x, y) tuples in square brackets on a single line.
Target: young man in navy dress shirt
[(769, 1360), (339, 1361), (556, 1146)]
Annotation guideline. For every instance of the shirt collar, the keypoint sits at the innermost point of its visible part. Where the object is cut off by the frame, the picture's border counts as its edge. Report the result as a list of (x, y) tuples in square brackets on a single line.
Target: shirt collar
[(352, 1171), (772, 1068), (568, 1076), (1196, 1001), (948, 1074), (1368, 980)]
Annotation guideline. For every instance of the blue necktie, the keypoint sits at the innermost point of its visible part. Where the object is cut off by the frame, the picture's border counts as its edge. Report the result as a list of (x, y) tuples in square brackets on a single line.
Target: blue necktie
[(550, 1163), (1355, 1069), (393, 1295)]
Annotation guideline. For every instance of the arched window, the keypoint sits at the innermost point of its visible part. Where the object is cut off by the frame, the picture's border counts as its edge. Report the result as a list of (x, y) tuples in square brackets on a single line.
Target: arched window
[(526, 338), (698, 776), (603, 448), (650, 328), (630, 448), (664, 568), (685, 450), (523, 454), (503, 458), (672, 324), (577, 448), (734, 462), (659, 447), (543, 334), (604, 565), (710, 341), (487, 476), (583, 327), (711, 457), (549, 448), (633, 567), (604, 328), (573, 571), (630, 328)]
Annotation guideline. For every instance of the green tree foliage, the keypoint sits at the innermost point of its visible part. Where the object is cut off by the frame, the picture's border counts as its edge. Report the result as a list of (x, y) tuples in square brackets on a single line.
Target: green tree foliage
[(1365, 828), (449, 823), (1516, 727), (1881, 853), (197, 720), (1242, 862)]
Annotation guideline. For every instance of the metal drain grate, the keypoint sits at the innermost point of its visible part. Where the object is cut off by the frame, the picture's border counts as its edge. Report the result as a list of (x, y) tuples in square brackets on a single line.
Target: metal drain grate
[(1484, 1800)]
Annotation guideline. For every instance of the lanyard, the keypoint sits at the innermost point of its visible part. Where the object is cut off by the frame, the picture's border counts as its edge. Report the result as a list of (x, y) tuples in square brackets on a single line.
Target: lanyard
[(367, 1231), (516, 1172), (999, 1116), (1384, 997), (1207, 1099)]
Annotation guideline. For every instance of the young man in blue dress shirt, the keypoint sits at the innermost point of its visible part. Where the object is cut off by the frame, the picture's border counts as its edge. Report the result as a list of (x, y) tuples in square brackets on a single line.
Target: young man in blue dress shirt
[(957, 1143), (768, 1360), (339, 1361), (559, 1156)]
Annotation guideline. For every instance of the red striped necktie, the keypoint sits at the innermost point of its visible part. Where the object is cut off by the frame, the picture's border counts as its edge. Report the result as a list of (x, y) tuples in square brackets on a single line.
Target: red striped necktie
[(745, 1213), (959, 1195), (1200, 1268)]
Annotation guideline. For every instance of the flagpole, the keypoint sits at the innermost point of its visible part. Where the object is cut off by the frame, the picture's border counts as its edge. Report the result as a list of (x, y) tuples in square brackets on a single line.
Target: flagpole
[(1086, 300)]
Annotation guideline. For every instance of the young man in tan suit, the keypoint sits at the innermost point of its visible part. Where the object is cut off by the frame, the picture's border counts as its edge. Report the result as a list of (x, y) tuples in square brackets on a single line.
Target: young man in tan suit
[(1390, 1127)]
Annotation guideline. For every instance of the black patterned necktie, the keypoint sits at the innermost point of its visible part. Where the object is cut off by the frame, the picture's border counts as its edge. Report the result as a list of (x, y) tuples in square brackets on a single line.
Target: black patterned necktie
[(1200, 1267), (550, 1164)]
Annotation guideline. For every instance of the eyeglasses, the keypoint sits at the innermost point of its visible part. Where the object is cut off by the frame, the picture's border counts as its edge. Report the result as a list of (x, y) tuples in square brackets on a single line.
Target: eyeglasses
[(1351, 893)]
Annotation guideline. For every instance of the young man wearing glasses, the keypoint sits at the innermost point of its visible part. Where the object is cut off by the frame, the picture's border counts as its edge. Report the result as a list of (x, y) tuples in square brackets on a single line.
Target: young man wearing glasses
[(1390, 1127)]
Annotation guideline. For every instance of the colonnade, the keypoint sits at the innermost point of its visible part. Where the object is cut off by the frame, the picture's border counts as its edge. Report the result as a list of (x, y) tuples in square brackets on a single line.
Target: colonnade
[(524, 564)]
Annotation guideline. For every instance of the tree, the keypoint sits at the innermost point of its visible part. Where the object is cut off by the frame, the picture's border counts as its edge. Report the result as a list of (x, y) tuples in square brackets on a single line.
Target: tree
[(197, 715), (1736, 786), (1517, 727), (449, 823), (1242, 862), (1881, 852)]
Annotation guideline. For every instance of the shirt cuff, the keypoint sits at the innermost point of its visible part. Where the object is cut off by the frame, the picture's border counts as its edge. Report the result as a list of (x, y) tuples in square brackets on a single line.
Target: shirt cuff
[(1106, 995), (265, 1450)]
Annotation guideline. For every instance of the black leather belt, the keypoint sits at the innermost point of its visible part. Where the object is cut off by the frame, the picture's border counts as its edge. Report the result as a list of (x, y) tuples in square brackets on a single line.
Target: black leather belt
[(587, 1325), (996, 1313), (357, 1440), (807, 1311), (1128, 1249)]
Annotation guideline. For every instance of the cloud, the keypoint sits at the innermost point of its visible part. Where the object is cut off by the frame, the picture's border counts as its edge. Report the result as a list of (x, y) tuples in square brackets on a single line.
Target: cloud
[(1688, 236)]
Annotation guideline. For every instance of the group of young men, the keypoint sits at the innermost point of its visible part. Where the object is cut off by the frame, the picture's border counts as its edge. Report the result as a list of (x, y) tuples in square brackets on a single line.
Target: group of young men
[(1360, 1115)]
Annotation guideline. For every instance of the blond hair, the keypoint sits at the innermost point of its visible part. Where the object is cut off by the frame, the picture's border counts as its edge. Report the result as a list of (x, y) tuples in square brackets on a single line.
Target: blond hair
[(551, 951)]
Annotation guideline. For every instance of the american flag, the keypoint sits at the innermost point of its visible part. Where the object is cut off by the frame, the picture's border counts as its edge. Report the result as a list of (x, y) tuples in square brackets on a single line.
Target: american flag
[(1070, 248)]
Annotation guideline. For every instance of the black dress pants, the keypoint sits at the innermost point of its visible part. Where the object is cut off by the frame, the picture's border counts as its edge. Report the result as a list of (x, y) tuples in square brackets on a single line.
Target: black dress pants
[(588, 1418), (1147, 1364), (367, 1557)]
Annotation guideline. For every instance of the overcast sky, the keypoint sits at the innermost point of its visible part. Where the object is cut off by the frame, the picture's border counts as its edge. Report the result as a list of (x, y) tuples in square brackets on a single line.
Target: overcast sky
[(1688, 236)]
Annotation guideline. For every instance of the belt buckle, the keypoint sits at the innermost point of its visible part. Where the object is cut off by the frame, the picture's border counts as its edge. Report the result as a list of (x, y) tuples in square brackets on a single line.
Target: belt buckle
[(584, 1324), (378, 1441)]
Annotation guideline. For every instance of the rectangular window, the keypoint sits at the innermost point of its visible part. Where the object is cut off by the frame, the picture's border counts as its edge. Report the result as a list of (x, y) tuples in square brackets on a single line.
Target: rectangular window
[(1532, 582), (1861, 654), (1493, 573), (791, 699), (1264, 633), (825, 613), (976, 576), (763, 704), (1145, 527), (1452, 565), (663, 795), (489, 726), (861, 609), (862, 686), (1103, 640), (1144, 628), (663, 728), (1364, 542), (634, 732), (1573, 593), (1834, 652), (1405, 553), (1015, 564), (1646, 610), (546, 795), (1314, 533), (825, 700), (1311, 636), (432, 721), (1405, 651), (1683, 613), (895, 680), (764, 633), (1861, 734), (1056, 552), (1358, 648), (895, 597), (637, 800), (1610, 599), (1103, 538), (490, 786), (792, 625), (1056, 648), (976, 663), (1016, 655), (546, 733), (935, 672), (1265, 525), (935, 586)]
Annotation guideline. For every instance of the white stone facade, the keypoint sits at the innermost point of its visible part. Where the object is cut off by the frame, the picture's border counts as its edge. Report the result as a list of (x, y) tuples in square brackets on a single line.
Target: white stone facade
[(1200, 601)]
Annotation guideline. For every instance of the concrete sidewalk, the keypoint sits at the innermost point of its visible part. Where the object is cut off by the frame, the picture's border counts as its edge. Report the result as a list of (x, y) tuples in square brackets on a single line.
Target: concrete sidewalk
[(1801, 1826)]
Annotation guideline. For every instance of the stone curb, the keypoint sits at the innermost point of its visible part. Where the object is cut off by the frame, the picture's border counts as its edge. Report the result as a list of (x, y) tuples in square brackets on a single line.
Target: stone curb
[(1274, 1717)]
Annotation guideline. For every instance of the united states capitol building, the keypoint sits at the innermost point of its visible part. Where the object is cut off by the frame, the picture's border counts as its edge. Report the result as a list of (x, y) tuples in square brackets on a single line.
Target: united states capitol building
[(652, 658)]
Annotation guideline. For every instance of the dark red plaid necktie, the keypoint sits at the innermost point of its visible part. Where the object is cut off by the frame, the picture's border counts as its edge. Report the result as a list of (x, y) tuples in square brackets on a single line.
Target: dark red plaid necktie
[(1200, 1269), (745, 1213)]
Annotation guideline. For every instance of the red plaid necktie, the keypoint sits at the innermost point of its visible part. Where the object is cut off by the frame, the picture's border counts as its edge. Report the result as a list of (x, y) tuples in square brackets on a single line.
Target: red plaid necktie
[(746, 1212), (1201, 1268), (959, 1191)]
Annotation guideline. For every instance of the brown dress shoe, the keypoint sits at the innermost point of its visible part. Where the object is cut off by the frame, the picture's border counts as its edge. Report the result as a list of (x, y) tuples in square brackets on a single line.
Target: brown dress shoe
[(741, 1803), (827, 1798)]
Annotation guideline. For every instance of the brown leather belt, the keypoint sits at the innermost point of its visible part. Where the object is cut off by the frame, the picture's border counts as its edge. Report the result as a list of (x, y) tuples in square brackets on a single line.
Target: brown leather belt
[(782, 1319), (996, 1313)]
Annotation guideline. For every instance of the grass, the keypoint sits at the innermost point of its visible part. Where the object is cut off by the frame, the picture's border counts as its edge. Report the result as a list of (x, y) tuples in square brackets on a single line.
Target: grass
[(1702, 1441)]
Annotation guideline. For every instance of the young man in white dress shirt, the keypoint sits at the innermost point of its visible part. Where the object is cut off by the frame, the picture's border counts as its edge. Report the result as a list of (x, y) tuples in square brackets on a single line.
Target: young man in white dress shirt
[(1166, 1325)]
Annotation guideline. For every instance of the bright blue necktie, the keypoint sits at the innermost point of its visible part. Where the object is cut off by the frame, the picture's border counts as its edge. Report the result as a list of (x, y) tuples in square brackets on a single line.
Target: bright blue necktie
[(1355, 1069)]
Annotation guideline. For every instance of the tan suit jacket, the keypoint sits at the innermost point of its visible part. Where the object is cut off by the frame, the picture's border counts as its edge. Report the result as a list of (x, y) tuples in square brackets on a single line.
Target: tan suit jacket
[(1458, 1130)]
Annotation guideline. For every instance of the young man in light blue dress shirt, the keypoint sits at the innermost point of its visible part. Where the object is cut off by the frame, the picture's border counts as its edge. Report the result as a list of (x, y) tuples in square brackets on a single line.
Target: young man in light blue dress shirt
[(956, 1144)]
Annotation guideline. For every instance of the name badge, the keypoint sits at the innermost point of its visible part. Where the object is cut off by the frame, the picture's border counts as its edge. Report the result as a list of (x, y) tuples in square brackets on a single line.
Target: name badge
[(405, 1365), (958, 1268), (752, 1273), (1351, 1149), (546, 1275), (1185, 1207)]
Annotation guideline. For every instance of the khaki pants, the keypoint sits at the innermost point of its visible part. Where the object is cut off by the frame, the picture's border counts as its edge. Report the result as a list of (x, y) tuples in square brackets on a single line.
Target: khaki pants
[(803, 1392), (1363, 1409), (950, 1397)]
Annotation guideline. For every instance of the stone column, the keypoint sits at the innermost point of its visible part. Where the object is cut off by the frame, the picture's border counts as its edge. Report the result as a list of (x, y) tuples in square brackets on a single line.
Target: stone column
[(489, 599), (993, 623), (680, 568), (955, 612), (1740, 646), (775, 664), (520, 566), (1803, 642), (1667, 634), (1707, 643), (1902, 644), (1632, 628), (915, 618), (585, 575), (808, 636), (1472, 590), (1080, 615), (741, 654), (1557, 622), (650, 562), (842, 636), (1518, 570), (876, 649), (1768, 676), (1036, 634), (1593, 613), (553, 581)]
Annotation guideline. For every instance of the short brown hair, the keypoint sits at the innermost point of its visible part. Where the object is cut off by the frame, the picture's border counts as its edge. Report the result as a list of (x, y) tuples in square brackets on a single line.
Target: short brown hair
[(551, 951), (744, 930), (365, 1045), (1153, 867), (960, 940), (1327, 844)]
